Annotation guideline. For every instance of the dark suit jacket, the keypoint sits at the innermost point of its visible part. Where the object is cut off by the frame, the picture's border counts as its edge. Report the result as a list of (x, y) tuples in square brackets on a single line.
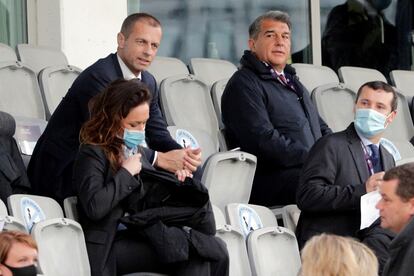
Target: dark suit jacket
[(331, 185), (50, 167), (100, 194)]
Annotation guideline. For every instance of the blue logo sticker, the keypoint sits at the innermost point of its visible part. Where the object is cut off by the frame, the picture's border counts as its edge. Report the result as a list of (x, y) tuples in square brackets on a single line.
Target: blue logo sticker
[(249, 220), (186, 139), (32, 213)]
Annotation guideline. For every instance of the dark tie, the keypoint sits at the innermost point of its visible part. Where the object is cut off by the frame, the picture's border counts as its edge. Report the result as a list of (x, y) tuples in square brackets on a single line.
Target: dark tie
[(375, 158)]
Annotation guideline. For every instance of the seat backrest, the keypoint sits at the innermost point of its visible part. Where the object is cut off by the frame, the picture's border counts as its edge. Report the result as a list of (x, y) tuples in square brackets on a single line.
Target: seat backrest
[(273, 251), (69, 205), (186, 102), (211, 70), (229, 177), (290, 215), (3, 209), (164, 67), (249, 217), (335, 103), (19, 91), (7, 53), (185, 136), (32, 209), (38, 57), (28, 131), (54, 82), (404, 161), (216, 92), (312, 76), (62, 248), (404, 81), (354, 77)]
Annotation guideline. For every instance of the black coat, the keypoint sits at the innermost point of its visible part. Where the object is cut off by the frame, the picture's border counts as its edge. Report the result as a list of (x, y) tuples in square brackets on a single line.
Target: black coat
[(266, 119), (50, 167), (331, 185)]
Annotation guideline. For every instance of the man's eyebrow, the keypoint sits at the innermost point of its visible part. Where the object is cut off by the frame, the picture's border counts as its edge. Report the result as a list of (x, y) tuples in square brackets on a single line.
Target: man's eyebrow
[(269, 31)]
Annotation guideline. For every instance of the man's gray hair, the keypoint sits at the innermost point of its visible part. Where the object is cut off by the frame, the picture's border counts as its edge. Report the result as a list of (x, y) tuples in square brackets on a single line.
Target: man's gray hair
[(254, 28)]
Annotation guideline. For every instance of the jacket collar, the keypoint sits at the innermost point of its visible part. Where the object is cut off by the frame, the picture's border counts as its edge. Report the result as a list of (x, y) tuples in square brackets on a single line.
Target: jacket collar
[(404, 237)]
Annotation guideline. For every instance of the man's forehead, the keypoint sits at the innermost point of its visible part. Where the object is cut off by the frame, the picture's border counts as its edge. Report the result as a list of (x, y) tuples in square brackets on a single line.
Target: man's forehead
[(273, 25), (389, 187), (378, 95)]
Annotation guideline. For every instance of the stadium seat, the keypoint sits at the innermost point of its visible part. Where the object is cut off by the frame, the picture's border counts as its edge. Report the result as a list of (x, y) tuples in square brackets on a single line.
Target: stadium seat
[(312, 76), (54, 82), (211, 70), (186, 102), (229, 177), (69, 205), (216, 92), (19, 91), (7, 53), (335, 103), (236, 245), (404, 81), (273, 251), (38, 57), (164, 67), (203, 139), (290, 216), (62, 248), (354, 77), (10, 223), (31, 209)]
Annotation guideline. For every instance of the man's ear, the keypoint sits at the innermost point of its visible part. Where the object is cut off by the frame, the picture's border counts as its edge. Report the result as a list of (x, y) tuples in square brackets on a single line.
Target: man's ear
[(411, 201), (391, 117), (251, 43), (121, 40)]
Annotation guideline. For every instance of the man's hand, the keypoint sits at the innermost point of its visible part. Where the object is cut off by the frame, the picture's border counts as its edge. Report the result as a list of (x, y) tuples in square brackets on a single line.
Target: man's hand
[(374, 181), (192, 159), (179, 159), (182, 174)]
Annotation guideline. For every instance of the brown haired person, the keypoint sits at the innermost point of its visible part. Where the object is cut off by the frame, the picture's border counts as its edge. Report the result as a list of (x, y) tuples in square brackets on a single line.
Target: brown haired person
[(108, 176), (50, 167), (18, 254)]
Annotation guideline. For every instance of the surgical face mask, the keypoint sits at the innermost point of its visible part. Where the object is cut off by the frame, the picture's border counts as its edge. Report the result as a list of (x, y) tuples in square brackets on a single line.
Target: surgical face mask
[(369, 122), (380, 5), (29, 270), (133, 138)]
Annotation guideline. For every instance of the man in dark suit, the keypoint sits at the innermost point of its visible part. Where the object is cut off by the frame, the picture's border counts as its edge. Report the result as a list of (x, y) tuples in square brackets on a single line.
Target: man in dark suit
[(50, 167), (343, 166), (268, 112)]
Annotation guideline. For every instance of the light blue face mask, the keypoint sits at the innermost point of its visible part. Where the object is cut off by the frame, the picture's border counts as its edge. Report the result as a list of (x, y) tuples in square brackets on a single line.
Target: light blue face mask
[(133, 138), (369, 122)]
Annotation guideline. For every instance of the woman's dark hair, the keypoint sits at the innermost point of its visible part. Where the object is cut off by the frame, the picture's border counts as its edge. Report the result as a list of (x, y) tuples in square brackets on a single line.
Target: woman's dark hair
[(107, 111)]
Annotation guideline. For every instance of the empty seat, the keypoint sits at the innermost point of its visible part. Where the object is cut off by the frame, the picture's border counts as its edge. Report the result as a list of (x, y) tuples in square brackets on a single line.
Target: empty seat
[(335, 103), (54, 82), (211, 70), (19, 91), (32, 209), (405, 161), (183, 136), (312, 76), (28, 131), (7, 53), (216, 92), (62, 248), (290, 215), (186, 102), (273, 251), (229, 177), (69, 205), (404, 81), (164, 67), (354, 77), (38, 57), (10, 223)]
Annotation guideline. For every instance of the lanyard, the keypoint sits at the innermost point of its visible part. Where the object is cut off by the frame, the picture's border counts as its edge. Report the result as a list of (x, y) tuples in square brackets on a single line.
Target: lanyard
[(368, 159)]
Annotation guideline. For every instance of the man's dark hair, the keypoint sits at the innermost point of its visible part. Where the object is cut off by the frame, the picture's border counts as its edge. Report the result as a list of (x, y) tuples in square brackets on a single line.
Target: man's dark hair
[(130, 21), (380, 85), (254, 28), (405, 176)]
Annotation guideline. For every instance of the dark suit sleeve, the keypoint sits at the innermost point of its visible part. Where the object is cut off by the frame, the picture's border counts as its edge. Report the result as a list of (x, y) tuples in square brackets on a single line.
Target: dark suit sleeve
[(319, 188), (325, 130), (98, 195)]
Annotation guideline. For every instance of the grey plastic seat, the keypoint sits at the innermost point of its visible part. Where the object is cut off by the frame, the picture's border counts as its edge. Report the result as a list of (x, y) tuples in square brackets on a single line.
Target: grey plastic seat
[(38, 57), (312, 76), (19, 91), (32, 209), (211, 70), (7, 53), (273, 251), (354, 77), (62, 248), (28, 131), (10, 223), (404, 81), (164, 67), (186, 102), (229, 177), (335, 103), (203, 139), (69, 205), (405, 161), (290, 216), (216, 92), (54, 82), (236, 245)]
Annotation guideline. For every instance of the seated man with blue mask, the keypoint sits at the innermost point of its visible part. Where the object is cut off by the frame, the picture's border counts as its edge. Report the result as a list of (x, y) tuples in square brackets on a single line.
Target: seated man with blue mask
[(343, 166)]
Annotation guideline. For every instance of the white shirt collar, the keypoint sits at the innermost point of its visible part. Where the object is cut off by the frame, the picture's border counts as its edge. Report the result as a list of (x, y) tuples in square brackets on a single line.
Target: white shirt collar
[(126, 73)]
